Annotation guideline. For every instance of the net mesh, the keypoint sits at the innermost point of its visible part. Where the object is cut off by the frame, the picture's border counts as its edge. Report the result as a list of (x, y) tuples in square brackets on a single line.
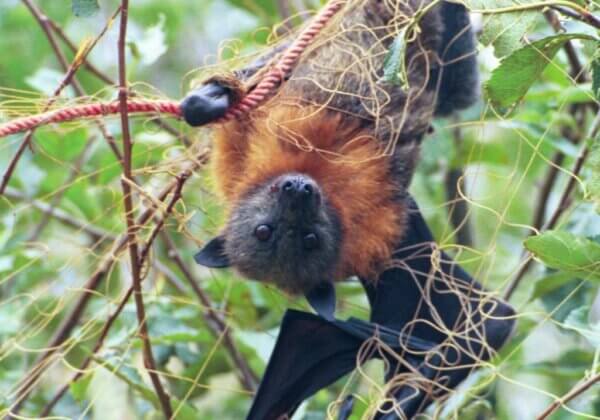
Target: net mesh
[(481, 184)]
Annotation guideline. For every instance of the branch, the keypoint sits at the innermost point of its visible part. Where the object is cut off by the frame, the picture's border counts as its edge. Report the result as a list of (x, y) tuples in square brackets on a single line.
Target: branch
[(74, 49), (568, 8), (213, 319), (564, 203), (459, 210), (95, 233), (573, 393), (69, 78), (149, 362), (577, 72), (565, 199), (70, 72), (106, 79), (71, 320), (181, 179), (581, 15)]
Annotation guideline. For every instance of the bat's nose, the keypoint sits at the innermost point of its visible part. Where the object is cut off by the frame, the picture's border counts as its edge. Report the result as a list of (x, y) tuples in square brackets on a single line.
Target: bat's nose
[(299, 192), (298, 186)]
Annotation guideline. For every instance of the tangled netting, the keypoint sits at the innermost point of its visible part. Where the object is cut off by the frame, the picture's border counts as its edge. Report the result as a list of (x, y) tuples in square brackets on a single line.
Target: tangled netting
[(69, 340)]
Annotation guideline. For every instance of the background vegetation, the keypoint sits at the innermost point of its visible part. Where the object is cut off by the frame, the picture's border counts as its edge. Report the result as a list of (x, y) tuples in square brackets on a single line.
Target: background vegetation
[(520, 168)]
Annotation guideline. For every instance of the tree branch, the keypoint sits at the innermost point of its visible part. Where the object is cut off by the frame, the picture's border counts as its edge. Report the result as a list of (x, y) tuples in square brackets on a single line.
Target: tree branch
[(149, 362), (181, 179), (71, 320), (459, 210), (572, 394), (68, 79), (581, 15), (67, 219), (213, 319), (564, 203)]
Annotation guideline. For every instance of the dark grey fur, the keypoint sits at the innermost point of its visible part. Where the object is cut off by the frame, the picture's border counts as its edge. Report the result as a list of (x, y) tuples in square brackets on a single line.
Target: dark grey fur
[(283, 260)]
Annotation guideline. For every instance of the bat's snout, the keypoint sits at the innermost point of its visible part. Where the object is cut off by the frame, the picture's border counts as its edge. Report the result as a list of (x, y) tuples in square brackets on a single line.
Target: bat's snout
[(300, 191)]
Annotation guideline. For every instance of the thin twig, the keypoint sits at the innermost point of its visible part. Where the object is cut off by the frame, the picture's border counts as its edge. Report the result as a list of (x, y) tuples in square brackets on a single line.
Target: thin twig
[(181, 179), (70, 72), (583, 16), (213, 319), (159, 122), (68, 79), (565, 199), (56, 198), (149, 362), (543, 198), (95, 233), (564, 203), (71, 320), (574, 137), (573, 393), (86, 62), (459, 210)]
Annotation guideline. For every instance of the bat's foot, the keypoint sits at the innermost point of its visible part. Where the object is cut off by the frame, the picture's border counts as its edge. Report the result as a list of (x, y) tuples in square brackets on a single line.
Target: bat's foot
[(206, 104)]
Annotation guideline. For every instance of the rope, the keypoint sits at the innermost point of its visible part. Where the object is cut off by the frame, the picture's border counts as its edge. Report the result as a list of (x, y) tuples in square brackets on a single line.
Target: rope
[(286, 63), (270, 82), (88, 110)]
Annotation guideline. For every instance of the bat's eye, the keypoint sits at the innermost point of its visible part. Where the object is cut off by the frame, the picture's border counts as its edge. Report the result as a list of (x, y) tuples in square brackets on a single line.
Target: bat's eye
[(263, 232), (311, 241)]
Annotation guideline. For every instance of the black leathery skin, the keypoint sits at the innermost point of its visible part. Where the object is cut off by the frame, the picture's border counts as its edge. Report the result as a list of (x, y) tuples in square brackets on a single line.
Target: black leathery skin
[(206, 104)]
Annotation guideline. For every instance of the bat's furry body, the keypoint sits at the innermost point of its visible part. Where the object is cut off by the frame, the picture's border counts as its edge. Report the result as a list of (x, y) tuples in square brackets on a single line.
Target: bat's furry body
[(336, 122), (316, 180)]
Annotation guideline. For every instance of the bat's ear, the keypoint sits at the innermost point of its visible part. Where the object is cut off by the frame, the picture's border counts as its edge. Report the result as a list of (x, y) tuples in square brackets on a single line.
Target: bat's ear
[(213, 254), (322, 299)]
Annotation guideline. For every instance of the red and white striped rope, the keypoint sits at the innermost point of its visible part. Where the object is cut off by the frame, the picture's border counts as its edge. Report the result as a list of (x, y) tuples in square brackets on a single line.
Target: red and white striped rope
[(263, 89), (88, 110), (286, 63)]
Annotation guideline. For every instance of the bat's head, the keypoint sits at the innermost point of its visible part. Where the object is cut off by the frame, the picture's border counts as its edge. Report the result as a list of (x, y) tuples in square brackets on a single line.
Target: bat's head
[(283, 232)]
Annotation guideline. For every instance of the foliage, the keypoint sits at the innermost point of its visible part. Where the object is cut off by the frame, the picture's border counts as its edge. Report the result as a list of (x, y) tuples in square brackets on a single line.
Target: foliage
[(506, 161)]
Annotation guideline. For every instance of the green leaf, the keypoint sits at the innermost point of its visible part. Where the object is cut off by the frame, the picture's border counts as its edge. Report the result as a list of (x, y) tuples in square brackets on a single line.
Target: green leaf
[(565, 251), (596, 74), (549, 284), (132, 378), (593, 185), (152, 44), (79, 387), (394, 70), (505, 30), (578, 320), (516, 73), (85, 8), (569, 366)]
